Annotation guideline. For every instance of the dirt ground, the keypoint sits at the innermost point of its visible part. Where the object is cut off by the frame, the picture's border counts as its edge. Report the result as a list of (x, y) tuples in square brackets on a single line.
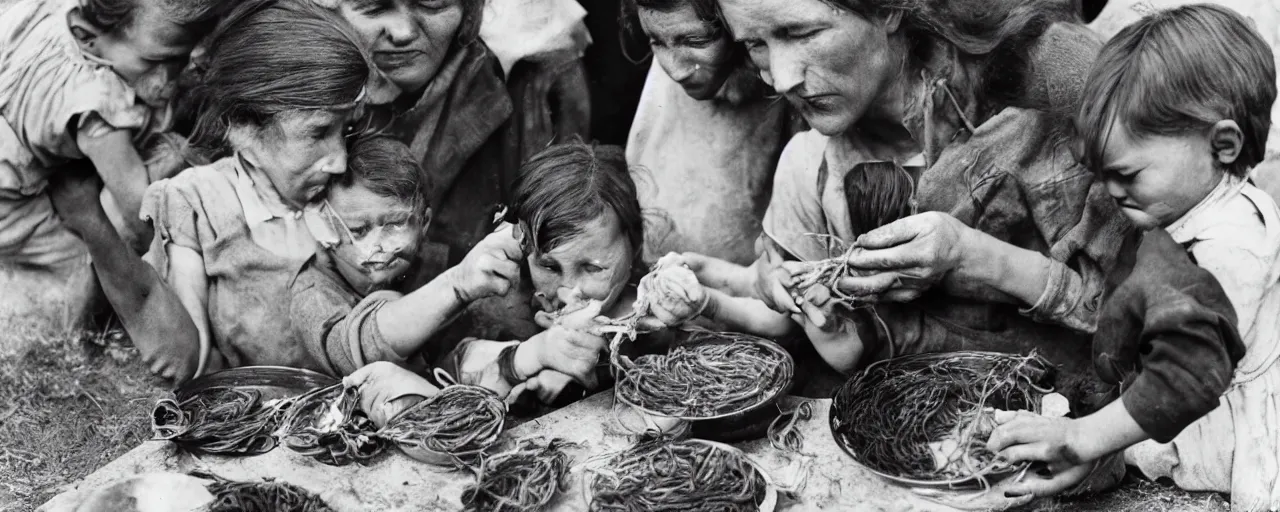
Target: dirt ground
[(71, 403)]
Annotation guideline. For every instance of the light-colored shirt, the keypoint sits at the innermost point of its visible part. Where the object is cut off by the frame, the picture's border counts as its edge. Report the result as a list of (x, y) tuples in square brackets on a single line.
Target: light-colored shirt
[(703, 169), (253, 246), (1234, 233), (49, 91)]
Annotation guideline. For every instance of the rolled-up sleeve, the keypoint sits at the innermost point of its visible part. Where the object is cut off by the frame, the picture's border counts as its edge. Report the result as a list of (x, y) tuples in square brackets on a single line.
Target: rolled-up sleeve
[(175, 210), (341, 337), (1081, 253)]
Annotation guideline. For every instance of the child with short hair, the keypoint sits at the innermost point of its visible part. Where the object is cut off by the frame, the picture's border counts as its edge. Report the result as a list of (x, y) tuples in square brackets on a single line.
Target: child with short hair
[(85, 79), (1174, 115)]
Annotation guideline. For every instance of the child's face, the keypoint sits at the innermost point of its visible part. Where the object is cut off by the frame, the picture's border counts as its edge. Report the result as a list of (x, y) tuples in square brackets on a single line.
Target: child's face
[(594, 265), (407, 39), (691, 51), (379, 237), (299, 151), (1156, 179), (148, 54)]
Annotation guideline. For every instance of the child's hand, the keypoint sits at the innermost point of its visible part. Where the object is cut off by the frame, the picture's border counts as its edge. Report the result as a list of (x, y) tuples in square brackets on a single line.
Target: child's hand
[(818, 309), (691, 260), (74, 190), (1024, 436), (674, 297), (568, 346), (386, 389), (164, 155), (774, 283), (547, 385), (491, 268)]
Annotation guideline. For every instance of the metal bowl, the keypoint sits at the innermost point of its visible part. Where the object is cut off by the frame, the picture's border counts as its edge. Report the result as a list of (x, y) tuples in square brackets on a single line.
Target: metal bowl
[(787, 368), (270, 381), (973, 482)]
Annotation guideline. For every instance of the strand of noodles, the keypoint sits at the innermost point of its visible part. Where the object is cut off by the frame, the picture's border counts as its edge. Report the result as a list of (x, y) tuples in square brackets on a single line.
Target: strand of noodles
[(658, 475), (900, 416), (461, 422), (702, 380), (223, 421), (524, 479), (229, 496), (327, 425)]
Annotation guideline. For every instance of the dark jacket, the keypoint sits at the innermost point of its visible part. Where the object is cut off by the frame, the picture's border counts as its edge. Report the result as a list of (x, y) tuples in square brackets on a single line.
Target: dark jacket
[(1167, 336), (471, 129)]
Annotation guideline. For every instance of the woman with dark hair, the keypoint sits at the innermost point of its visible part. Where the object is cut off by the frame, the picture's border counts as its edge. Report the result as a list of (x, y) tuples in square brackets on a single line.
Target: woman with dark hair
[(468, 119), (277, 92), (705, 138), (1016, 239)]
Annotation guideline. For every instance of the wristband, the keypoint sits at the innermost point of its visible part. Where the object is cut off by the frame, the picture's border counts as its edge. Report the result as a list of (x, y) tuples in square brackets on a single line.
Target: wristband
[(507, 365)]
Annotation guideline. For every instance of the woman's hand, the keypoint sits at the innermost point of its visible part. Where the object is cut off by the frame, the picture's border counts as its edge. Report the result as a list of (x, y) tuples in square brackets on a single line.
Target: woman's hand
[(909, 256), (491, 268), (386, 389), (571, 345)]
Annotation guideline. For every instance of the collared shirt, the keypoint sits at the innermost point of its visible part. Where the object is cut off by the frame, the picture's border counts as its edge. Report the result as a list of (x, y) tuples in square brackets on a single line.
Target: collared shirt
[(273, 224), (252, 247), (1234, 233)]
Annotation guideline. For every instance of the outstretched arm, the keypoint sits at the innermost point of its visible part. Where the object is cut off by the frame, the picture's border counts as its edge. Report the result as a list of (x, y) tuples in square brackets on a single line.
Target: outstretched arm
[(157, 321)]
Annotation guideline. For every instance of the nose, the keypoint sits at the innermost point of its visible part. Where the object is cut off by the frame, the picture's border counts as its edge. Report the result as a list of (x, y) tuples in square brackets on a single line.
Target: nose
[(679, 69), (335, 163), (569, 294), (786, 70), (1117, 192), (402, 29)]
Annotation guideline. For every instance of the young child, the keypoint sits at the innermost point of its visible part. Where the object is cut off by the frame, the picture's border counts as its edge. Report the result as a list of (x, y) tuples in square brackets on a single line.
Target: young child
[(1174, 115), (85, 79)]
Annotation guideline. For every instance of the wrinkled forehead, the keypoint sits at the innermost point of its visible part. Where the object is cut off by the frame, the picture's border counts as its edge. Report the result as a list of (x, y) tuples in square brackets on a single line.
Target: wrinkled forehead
[(670, 23), (756, 19)]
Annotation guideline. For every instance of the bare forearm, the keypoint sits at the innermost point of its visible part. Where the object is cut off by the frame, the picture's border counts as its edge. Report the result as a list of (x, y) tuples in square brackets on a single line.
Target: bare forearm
[(747, 315), (731, 278), (118, 268), (1000, 271), (407, 323), (1107, 431)]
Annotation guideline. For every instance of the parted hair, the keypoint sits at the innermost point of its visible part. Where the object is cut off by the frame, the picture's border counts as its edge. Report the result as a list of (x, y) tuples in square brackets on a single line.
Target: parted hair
[(567, 186)]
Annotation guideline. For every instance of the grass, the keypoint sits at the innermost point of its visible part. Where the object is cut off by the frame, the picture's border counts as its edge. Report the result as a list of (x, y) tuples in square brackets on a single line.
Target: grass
[(69, 404)]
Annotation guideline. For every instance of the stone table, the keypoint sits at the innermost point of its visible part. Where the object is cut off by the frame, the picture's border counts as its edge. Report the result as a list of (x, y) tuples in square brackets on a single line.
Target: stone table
[(393, 482)]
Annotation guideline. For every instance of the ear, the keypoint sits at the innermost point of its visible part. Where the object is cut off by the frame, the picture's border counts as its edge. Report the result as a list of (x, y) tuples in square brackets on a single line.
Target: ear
[(85, 34), (893, 21), (1227, 141)]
